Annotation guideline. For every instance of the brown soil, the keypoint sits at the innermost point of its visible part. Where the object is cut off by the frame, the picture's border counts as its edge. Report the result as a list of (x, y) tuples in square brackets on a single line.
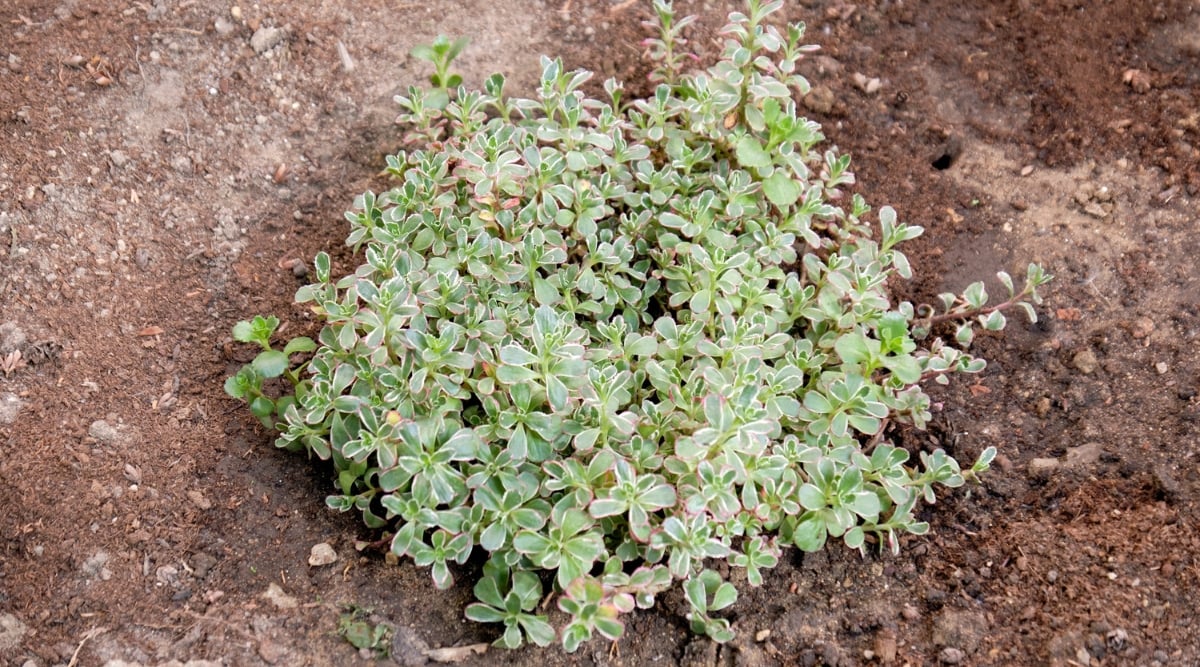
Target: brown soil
[(156, 189)]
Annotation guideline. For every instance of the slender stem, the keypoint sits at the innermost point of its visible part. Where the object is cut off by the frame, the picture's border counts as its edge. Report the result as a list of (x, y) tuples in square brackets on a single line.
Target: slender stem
[(966, 315)]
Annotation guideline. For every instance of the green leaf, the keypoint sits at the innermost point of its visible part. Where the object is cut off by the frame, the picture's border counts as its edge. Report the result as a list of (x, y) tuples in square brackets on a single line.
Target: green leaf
[(975, 295), (810, 534), (781, 189), (515, 374), (537, 629), (750, 153), (299, 344), (243, 332), (512, 354), (816, 401), (271, 363), (238, 385), (853, 348), (481, 613), (811, 497)]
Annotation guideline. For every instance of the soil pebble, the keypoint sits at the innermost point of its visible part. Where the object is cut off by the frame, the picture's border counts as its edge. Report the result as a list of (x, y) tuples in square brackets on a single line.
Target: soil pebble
[(1041, 468), (202, 564), (12, 631), (199, 500), (271, 652), (277, 597), (10, 407), (95, 567), (886, 646), (1083, 455), (960, 629), (104, 432), (11, 337), (820, 100), (322, 554), (1085, 362), (408, 649), (265, 39), (952, 656)]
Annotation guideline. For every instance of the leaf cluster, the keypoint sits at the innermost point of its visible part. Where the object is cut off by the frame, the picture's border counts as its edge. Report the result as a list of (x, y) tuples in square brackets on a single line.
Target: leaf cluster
[(607, 343)]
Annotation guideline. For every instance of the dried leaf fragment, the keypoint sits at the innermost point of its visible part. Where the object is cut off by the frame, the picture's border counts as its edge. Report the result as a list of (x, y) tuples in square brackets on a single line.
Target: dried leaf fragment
[(455, 653)]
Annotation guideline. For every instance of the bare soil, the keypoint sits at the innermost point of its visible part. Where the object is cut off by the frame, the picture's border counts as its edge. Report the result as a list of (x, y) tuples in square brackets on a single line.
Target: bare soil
[(164, 172)]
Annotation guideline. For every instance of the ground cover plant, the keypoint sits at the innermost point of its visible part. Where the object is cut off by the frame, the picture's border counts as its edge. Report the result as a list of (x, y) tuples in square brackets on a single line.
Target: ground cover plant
[(609, 342)]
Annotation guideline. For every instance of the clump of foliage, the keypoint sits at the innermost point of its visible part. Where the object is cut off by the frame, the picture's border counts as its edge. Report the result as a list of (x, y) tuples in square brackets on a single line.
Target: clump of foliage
[(610, 342), (355, 627)]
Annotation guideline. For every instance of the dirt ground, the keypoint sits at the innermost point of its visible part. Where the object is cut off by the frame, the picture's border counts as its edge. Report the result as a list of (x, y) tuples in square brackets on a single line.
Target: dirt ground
[(167, 166)]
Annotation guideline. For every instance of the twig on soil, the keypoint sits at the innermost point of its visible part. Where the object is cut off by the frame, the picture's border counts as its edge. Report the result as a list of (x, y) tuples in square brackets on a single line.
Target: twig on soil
[(620, 7), (86, 636)]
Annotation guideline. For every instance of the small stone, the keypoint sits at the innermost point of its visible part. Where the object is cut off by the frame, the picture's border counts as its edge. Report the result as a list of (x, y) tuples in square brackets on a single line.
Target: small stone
[(886, 647), (182, 164), (167, 574), (10, 407), (1083, 194), (199, 500), (1083, 657), (1162, 367), (1083, 455), (1042, 407), (265, 39), (952, 656), (12, 632), (11, 335), (277, 597), (270, 652), (299, 270), (820, 100), (202, 564), (118, 158), (408, 649), (1167, 484), (14, 62), (1027, 170), (133, 473), (104, 432), (1041, 468), (1085, 361), (909, 613), (95, 566), (1138, 80), (1095, 210), (1141, 327), (1052, 576), (223, 26), (869, 85), (322, 554)]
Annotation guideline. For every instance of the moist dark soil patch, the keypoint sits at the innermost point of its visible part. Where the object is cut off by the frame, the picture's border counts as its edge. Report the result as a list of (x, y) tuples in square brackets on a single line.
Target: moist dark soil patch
[(167, 168)]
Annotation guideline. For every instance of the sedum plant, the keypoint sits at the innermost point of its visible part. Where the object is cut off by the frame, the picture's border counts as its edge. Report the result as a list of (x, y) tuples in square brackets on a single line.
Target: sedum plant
[(607, 343)]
